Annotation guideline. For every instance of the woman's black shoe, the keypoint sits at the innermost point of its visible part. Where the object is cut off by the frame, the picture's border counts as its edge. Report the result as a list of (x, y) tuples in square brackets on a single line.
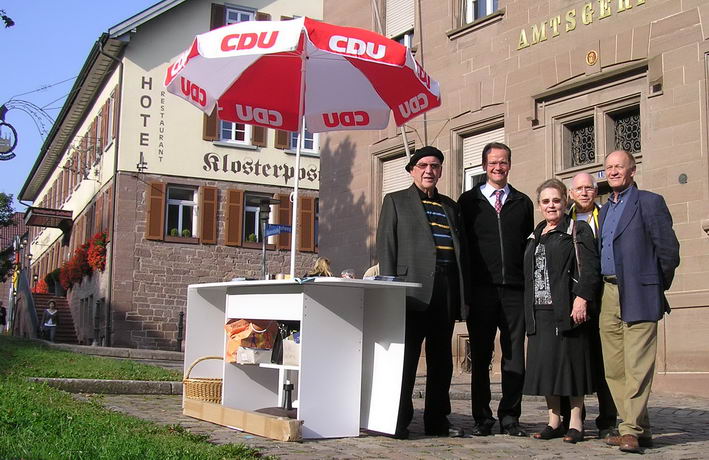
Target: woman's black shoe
[(550, 433), (573, 436)]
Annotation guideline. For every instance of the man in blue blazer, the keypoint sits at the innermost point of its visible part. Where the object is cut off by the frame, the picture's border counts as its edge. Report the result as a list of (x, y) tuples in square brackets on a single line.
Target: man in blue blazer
[(639, 255)]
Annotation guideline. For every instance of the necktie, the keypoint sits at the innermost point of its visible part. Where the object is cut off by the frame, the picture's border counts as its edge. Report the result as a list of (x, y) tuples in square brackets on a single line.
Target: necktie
[(498, 200)]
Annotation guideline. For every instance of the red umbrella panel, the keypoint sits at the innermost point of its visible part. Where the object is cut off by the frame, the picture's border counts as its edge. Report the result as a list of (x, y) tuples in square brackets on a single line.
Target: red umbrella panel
[(279, 74), (275, 73)]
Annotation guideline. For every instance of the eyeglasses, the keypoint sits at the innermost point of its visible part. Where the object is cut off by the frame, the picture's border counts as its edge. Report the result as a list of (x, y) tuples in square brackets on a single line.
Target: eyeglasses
[(584, 189), (424, 166)]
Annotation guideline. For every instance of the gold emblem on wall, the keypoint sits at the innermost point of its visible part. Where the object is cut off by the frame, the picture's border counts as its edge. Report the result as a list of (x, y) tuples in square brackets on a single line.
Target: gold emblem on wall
[(592, 57)]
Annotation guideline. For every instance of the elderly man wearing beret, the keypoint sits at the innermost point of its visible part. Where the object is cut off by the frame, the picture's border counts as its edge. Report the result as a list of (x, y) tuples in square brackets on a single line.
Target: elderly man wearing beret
[(417, 239)]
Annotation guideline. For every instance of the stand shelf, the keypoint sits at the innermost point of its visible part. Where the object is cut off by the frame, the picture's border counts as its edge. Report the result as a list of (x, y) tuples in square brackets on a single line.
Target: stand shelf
[(352, 341)]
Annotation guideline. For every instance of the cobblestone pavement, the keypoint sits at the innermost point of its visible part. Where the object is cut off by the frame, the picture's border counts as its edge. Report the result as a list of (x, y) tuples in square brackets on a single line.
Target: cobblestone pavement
[(680, 424)]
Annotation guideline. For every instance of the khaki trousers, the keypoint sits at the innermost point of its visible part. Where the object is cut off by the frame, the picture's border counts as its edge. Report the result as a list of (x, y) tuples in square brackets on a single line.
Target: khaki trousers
[(629, 351)]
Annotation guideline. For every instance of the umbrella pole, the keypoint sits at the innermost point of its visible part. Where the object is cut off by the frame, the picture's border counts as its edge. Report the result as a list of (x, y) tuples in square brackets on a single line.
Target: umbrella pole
[(406, 143), (294, 218)]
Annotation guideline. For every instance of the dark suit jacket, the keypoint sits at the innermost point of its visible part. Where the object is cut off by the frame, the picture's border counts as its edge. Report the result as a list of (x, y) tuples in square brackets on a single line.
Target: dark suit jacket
[(405, 246), (646, 254)]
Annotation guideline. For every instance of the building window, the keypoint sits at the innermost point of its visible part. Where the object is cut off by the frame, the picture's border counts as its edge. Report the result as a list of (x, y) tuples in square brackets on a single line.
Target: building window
[(476, 9), (625, 129), (181, 212), (310, 142), (405, 39), (252, 217), (400, 15), (234, 15), (472, 147), (587, 137), (394, 175), (580, 142), (238, 133)]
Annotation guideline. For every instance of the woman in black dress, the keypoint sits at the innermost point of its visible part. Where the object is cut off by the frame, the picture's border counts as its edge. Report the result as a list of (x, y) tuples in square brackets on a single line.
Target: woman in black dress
[(561, 271)]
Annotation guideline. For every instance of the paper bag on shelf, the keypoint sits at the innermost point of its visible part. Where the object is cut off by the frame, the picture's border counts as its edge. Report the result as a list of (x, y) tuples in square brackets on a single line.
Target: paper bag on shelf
[(246, 355), (291, 350)]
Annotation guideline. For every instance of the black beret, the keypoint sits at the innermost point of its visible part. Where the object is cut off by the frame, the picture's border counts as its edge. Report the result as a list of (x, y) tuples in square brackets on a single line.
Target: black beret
[(423, 152)]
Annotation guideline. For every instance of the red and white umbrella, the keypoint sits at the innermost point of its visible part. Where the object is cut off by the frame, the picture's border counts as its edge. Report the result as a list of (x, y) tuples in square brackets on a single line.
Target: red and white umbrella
[(302, 73)]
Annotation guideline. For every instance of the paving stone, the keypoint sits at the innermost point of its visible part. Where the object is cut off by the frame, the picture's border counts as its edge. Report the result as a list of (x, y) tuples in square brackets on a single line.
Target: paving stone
[(680, 426)]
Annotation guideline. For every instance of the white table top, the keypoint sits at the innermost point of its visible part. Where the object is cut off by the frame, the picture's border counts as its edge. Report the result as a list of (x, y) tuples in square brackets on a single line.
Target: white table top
[(325, 281)]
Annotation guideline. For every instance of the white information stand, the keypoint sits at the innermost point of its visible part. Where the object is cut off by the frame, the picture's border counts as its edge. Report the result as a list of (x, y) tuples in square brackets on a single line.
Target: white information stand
[(351, 354)]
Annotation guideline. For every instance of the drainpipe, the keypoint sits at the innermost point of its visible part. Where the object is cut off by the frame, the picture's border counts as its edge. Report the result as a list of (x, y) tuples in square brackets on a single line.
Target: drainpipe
[(114, 186)]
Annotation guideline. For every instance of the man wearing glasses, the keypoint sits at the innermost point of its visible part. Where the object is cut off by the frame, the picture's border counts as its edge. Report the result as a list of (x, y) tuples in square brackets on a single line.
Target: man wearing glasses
[(417, 239), (497, 219), (583, 193)]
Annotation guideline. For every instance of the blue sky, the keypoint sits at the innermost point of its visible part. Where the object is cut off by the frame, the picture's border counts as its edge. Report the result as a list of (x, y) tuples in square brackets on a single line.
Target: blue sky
[(48, 44)]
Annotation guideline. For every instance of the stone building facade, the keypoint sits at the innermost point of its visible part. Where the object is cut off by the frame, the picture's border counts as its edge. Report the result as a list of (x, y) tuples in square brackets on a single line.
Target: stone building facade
[(562, 82), (180, 196)]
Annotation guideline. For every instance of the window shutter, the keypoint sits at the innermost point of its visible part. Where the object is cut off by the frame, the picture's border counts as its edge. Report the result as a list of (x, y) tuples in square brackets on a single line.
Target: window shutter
[(282, 138), (394, 175), (234, 217), (74, 168), (104, 124), (258, 136), (116, 110), (66, 190), (210, 126), (91, 145), (262, 16), (218, 18), (284, 218), (208, 215), (473, 147), (307, 223), (108, 212), (155, 195), (60, 189), (98, 215), (89, 214), (399, 17)]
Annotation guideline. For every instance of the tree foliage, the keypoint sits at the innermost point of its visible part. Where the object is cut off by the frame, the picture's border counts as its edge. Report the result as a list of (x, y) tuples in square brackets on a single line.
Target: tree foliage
[(6, 214), (6, 19), (6, 210)]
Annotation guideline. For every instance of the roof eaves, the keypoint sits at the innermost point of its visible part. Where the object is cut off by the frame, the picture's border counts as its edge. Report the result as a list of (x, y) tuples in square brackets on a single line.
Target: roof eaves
[(125, 27), (69, 118)]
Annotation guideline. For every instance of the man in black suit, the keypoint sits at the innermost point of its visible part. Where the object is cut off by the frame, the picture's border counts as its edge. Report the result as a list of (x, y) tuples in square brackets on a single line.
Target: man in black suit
[(497, 219), (417, 238)]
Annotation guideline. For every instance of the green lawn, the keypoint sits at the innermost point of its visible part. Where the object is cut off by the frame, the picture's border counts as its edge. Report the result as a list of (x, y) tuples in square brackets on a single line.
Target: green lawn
[(39, 422)]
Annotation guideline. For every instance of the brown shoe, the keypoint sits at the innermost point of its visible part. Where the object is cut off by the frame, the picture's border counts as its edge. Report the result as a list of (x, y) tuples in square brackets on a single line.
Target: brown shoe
[(617, 441), (629, 443)]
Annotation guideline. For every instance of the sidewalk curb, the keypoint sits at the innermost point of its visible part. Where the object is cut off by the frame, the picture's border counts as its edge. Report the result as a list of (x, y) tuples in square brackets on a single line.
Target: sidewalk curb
[(130, 353), (134, 387)]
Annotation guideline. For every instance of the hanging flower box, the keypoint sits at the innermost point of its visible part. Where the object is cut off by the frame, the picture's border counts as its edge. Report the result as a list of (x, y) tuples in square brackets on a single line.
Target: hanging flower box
[(96, 254)]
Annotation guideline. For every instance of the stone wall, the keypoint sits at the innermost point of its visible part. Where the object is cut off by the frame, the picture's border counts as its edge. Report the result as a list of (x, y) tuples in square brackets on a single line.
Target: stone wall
[(150, 278), (654, 53)]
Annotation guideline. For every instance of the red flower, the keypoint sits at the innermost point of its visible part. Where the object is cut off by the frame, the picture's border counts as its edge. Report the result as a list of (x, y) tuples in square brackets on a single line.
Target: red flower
[(40, 288), (74, 269), (96, 254)]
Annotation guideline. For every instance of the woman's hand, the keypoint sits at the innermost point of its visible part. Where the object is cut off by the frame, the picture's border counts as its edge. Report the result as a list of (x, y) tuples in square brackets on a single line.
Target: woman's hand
[(579, 311)]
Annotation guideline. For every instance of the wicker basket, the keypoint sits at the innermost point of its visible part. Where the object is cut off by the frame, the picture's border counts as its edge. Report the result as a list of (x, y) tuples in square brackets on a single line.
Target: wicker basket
[(201, 388)]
